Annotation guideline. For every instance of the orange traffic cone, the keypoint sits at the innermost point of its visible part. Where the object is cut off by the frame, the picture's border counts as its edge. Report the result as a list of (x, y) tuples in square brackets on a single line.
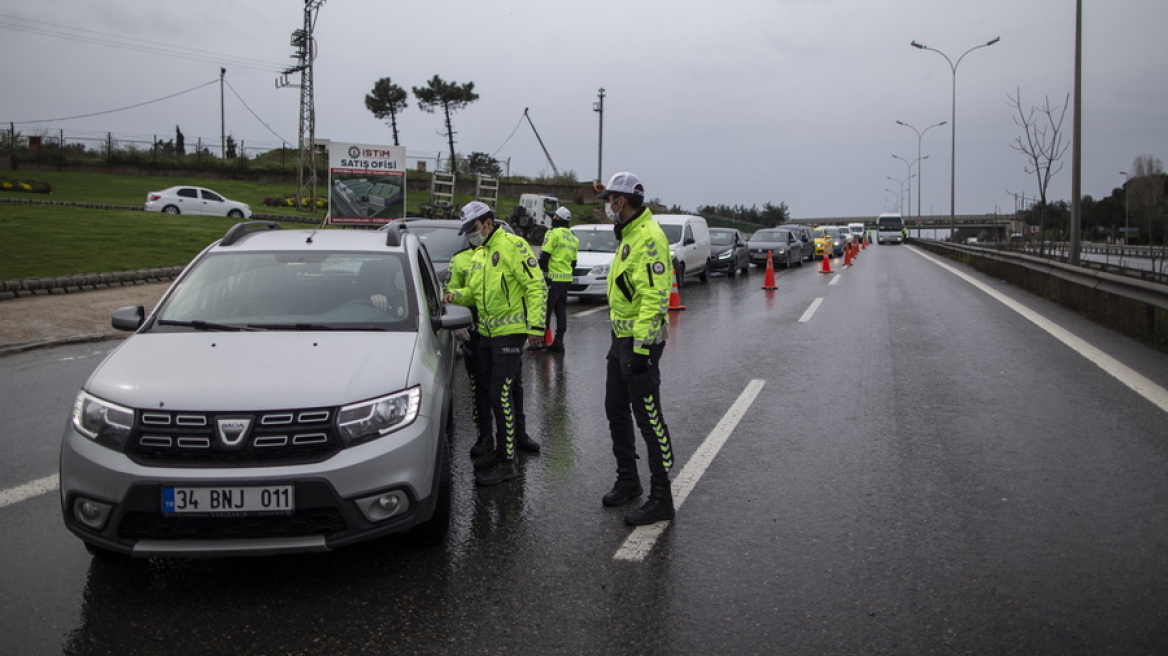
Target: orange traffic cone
[(848, 255), (674, 297), (826, 263), (864, 242), (769, 281)]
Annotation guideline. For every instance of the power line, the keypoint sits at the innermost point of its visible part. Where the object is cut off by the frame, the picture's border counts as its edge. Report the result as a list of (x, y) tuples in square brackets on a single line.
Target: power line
[(135, 45), (282, 139), (120, 109)]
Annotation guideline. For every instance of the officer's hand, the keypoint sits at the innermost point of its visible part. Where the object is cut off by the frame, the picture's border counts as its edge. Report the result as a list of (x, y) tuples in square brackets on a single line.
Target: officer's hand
[(448, 297), (535, 341), (640, 364)]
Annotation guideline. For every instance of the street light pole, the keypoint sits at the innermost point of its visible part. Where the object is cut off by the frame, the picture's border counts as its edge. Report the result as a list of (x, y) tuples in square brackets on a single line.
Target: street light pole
[(921, 168), (598, 107), (953, 130)]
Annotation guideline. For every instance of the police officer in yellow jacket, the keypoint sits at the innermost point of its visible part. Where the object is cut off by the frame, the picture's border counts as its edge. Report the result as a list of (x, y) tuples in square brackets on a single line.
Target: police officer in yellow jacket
[(509, 293), (557, 258), (639, 284)]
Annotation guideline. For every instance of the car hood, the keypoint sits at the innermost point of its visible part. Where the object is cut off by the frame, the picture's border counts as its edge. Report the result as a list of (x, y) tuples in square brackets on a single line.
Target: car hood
[(718, 250), (593, 258), (226, 371), (766, 245)]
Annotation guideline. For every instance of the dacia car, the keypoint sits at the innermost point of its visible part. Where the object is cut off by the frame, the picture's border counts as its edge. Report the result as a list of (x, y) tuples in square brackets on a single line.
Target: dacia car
[(291, 392)]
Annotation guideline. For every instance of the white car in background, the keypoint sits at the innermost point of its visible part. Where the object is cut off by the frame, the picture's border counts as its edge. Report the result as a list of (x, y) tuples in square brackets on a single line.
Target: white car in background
[(593, 260), (195, 200)]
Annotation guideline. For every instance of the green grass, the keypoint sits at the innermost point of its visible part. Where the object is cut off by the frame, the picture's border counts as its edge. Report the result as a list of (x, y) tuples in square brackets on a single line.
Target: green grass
[(45, 240)]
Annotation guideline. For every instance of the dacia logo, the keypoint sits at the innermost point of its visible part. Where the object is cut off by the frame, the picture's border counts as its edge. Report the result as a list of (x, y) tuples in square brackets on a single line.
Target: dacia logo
[(232, 431)]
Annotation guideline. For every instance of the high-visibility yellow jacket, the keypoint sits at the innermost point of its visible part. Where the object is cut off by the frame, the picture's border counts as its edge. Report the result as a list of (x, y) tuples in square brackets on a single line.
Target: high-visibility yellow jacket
[(639, 283), (561, 244), (506, 286), (461, 265)]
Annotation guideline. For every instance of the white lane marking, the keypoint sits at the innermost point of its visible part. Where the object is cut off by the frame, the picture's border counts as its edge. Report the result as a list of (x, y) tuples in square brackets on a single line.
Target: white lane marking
[(640, 542), (28, 490), (834, 279), (594, 310), (811, 310), (1124, 374)]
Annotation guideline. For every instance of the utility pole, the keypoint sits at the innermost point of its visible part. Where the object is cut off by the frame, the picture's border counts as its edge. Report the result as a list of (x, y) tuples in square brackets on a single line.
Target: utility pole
[(1077, 140), (222, 118), (598, 107), (305, 45)]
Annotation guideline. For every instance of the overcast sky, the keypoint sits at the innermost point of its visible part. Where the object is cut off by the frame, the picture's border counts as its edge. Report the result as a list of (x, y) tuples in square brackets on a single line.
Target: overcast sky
[(737, 102)]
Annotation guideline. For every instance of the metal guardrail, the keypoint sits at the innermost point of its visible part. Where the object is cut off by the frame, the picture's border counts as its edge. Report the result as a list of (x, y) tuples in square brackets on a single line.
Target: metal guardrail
[(1143, 291)]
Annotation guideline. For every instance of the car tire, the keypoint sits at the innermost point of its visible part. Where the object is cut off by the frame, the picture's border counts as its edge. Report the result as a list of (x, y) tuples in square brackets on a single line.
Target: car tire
[(171, 209), (104, 554), (235, 214), (704, 276), (679, 272), (731, 271)]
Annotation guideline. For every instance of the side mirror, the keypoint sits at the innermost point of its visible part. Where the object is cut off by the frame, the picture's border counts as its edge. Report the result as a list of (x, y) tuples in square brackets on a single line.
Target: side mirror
[(128, 318), (455, 316)]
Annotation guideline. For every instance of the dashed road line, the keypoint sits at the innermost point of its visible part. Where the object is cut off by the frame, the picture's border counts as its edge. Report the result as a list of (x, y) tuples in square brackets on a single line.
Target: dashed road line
[(641, 541), (811, 310), (29, 490)]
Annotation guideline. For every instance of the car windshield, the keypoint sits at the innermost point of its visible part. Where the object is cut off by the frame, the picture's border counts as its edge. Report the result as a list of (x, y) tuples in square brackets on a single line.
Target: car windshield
[(721, 238), (441, 242), (890, 223), (672, 233), (834, 232), (596, 241), (294, 291), (770, 235)]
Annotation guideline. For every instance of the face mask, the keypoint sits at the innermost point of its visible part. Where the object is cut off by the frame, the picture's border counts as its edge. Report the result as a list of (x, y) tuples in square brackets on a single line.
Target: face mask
[(476, 238), (610, 214)]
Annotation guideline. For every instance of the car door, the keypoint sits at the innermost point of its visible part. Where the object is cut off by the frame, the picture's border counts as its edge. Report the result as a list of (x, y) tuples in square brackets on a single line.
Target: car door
[(187, 199), (212, 203)]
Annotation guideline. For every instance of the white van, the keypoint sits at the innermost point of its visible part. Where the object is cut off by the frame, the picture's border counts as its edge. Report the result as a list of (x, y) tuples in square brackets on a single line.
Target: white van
[(889, 229), (689, 244)]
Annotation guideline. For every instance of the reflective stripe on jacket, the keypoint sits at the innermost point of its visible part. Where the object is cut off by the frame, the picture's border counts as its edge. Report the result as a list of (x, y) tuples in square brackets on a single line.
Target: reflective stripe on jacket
[(506, 285), (561, 244), (639, 283)]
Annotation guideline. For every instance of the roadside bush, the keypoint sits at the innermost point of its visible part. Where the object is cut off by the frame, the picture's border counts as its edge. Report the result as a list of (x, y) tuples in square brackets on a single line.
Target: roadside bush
[(290, 201)]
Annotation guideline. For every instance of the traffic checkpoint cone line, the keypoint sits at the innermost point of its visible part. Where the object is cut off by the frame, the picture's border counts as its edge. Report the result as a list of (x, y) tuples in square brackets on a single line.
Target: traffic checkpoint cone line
[(848, 255), (769, 281), (826, 263), (674, 297)]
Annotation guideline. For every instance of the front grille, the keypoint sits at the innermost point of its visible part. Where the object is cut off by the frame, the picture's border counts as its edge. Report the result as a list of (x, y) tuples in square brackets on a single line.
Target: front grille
[(153, 526), (280, 437)]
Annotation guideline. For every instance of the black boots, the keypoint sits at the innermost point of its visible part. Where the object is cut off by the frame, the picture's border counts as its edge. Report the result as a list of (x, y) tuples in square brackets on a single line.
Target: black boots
[(627, 488), (500, 470), (658, 508), (525, 442), (483, 445)]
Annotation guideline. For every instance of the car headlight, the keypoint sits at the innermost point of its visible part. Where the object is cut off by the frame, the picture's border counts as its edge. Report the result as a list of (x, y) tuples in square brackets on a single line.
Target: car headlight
[(102, 421), (599, 270), (370, 420), (725, 255)]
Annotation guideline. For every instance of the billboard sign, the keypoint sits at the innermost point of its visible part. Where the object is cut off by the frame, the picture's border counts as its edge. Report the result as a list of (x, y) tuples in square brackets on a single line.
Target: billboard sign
[(367, 184)]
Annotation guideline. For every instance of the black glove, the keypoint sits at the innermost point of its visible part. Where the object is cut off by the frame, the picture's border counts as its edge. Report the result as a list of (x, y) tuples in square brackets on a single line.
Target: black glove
[(640, 363)]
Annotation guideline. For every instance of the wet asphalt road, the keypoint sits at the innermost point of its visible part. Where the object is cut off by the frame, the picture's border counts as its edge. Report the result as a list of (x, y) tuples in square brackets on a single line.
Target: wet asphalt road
[(924, 471)]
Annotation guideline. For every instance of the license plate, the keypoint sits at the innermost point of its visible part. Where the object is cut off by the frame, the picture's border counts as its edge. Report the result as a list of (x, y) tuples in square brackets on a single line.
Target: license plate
[(229, 501)]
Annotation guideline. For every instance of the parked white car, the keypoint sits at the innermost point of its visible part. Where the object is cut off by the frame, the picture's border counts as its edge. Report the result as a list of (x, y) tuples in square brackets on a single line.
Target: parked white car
[(195, 200), (593, 260)]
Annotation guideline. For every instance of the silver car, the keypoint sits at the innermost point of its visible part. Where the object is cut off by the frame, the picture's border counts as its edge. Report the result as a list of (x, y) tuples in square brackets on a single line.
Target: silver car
[(290, 393)]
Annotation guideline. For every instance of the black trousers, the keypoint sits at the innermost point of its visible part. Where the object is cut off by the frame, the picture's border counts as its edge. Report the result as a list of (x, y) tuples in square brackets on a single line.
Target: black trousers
[(500, 360), (631, 402), (558, 306)]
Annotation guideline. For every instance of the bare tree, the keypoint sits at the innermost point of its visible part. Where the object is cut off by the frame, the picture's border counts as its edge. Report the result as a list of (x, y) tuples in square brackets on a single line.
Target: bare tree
[(1043, 143), (1146, 191)]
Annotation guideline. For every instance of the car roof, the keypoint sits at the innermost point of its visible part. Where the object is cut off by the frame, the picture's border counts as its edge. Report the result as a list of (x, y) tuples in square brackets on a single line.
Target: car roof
[(306, 240), (593, 226)]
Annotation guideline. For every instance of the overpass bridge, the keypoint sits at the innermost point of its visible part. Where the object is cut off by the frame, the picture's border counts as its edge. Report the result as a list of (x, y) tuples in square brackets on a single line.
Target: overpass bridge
[(1004, 222)]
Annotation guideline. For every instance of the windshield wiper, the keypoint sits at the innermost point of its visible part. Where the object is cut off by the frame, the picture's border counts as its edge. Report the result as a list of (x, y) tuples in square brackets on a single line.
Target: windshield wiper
[(308, 327), (199, 324)]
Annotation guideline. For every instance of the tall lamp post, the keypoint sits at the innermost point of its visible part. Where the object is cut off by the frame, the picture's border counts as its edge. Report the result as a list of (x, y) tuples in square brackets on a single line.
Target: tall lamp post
[(901, 183), (953, 130), (909, 166), (921, 168)]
